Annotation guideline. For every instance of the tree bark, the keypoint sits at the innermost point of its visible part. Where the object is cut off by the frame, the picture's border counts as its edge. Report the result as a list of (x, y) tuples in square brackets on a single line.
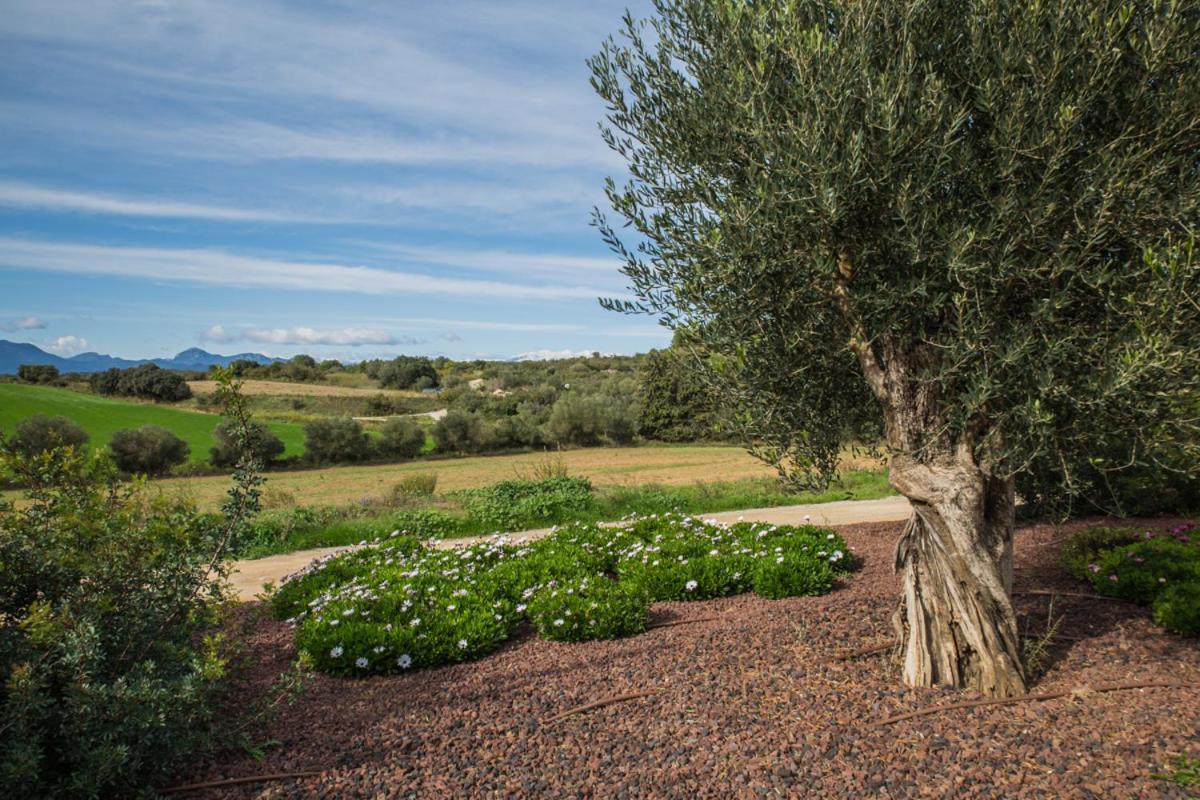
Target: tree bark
[(957, 623)]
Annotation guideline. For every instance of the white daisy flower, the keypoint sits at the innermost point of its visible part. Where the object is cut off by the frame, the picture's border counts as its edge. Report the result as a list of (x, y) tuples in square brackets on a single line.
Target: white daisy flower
[(336, 652), (779, 560), (415, 621), (558, 623), (462, 644), (690, 586), (361, 662), (404, 661)]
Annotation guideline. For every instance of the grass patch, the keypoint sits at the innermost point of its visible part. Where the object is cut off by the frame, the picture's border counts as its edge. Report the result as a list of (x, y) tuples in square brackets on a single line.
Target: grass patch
[(518, 505), (103, 416)]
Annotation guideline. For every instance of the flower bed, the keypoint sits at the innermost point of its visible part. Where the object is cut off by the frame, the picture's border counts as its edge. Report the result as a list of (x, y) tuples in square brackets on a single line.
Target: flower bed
[(1160, 570), (398, 604)]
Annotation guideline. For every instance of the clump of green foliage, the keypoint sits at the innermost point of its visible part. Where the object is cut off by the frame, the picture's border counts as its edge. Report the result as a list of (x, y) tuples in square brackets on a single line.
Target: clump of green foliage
[(588, 608), (401, 438), (336, 440), (41, 432), (37, 373), (147, 381), (107, 597), (264, 445), (398, 604), (1160, 570), (515, 504), (148, 450)]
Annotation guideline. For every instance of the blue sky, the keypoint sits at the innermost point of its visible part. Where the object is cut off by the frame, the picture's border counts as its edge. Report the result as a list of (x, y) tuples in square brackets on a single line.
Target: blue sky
[(349, 179)]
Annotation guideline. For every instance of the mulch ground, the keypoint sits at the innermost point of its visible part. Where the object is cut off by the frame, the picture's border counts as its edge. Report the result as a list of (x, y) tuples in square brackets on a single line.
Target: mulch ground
[(752, 704)]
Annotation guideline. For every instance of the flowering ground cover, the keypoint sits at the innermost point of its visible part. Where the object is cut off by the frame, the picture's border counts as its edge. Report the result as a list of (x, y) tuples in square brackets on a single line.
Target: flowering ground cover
[(1158, 568), (398, 604)]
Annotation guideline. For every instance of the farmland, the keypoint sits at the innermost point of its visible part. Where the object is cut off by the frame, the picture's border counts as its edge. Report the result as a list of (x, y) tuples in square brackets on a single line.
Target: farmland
[(102, 416), (604, 466)]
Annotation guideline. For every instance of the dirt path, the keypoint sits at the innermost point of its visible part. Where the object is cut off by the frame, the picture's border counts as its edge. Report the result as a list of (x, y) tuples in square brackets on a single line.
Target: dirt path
[(249, 577)]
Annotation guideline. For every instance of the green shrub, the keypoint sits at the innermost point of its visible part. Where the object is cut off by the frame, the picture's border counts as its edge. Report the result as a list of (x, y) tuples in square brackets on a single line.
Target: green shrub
[(792, 575), (106, 679), (459, 432), (1177, 608), (401, 438), (515, 504), (37, 373), (1084, 549), (147, 381), (40, 432), (148, 450), (1138, 572), (264, 445), (336, 440), (587, 608)]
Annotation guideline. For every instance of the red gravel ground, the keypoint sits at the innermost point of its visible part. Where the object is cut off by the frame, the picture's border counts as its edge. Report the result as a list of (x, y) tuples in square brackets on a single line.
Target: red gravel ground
[(752, 704)]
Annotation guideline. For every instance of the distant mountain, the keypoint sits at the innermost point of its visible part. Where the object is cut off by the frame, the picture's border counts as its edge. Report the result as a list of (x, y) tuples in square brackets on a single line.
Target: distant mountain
[(555, 355), (13, 354)]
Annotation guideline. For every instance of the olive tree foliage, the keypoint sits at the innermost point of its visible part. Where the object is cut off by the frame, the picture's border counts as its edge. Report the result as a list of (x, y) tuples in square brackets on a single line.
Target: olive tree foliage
[(970, 220)]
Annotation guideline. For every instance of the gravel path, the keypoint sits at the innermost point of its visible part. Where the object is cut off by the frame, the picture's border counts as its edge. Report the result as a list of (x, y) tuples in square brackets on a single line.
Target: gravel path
[(751, 704), (249, 576)]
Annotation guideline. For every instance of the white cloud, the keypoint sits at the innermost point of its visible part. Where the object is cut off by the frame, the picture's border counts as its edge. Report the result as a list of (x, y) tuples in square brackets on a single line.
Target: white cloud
[(23, 324), (21, 195), (67, 345), (347, 337), (215, 267), (507, 262)]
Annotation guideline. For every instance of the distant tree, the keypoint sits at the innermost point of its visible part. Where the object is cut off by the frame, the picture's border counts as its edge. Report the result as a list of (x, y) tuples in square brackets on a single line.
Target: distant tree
[(262, 443), (148, 450), (401, 438), (37, 373), (147, 381), (972, 218), (459, 432), (40, 432), (304, 360), (576, 419), (408, 372), (336, 440), (107, 382)]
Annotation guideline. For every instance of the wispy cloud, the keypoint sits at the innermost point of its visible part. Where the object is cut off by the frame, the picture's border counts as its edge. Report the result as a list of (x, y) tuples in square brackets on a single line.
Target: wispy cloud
[(67, 345), (22, 195), (346, 337), (504, 261), (219, 268), (22, 324)]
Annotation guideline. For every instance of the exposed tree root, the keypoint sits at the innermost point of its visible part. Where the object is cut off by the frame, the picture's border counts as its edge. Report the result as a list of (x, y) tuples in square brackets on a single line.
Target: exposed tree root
[(598, 704), (278, 776), (673, 622), (1082, 690)]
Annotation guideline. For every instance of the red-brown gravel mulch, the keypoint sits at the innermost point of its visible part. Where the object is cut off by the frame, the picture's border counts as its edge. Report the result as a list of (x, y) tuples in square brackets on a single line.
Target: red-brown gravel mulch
[(759, 702)]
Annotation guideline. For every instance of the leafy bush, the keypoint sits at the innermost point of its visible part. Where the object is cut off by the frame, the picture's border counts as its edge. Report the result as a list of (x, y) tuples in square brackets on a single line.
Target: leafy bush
[(40, 432), (1177, 608), (407, 372), (587, 608), (105, 679), (401, 438), (264, 445), (148, 450), (514, 504), (397, 604), (336, 440), (1085, 548), (1161, 570), (459, 432)]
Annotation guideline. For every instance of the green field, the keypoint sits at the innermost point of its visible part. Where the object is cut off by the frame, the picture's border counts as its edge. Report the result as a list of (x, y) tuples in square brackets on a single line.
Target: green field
[(101, 416)]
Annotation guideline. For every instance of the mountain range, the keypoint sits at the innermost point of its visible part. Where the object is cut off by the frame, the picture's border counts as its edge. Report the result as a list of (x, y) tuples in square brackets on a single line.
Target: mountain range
[(13, 354)]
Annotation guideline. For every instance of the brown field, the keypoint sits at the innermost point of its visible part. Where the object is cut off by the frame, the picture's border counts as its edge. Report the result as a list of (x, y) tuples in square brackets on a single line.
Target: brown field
[(603, 465), (283, 388)]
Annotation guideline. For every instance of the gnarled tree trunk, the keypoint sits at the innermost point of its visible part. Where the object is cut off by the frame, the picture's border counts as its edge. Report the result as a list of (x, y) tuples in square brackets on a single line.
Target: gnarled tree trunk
[(955, 555)]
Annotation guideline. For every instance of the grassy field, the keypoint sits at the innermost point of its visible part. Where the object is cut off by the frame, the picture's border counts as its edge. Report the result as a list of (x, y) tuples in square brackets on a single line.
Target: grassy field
[(101, 416), (606, 466)]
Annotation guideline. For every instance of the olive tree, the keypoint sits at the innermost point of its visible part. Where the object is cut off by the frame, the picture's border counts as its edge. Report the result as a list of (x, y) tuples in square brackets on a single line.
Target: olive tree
[(968, 219)]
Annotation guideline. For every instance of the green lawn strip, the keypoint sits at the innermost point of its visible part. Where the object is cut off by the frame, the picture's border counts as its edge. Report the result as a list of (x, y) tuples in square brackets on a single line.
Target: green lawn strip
[(102, 416), (286, 531)]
